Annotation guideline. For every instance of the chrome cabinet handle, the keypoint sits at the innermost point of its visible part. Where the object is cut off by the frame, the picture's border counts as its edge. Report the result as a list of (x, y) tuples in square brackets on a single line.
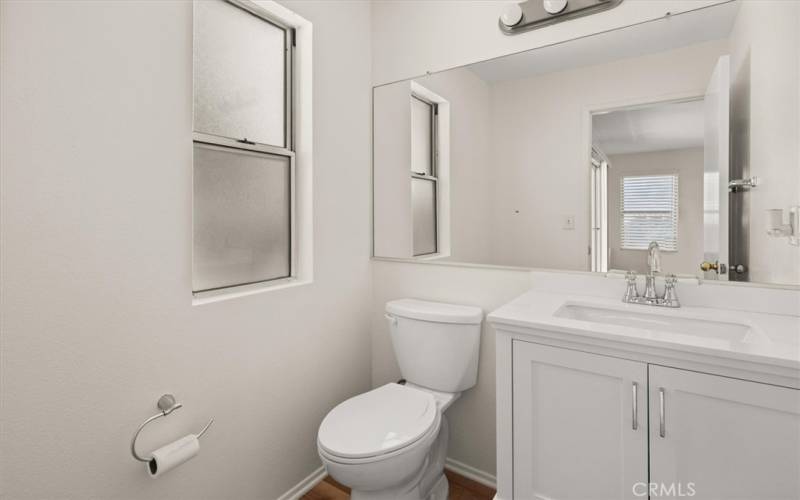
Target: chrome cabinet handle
[(662, 426), (635, 406)]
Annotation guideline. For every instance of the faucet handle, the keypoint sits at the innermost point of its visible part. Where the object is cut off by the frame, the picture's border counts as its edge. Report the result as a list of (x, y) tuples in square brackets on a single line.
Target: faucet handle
[(631, 292), (670, 294)]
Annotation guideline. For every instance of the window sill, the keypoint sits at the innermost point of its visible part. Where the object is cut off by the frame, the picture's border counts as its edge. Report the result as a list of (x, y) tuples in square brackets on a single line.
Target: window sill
[(235, 292), (431, 256), (645, 250)]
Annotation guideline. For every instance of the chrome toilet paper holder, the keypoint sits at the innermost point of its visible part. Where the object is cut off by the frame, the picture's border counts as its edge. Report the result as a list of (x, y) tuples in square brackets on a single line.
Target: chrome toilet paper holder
[(166, 404)]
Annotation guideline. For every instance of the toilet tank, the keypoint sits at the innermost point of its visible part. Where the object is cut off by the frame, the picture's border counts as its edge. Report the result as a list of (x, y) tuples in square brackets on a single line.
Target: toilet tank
[(436, 344)]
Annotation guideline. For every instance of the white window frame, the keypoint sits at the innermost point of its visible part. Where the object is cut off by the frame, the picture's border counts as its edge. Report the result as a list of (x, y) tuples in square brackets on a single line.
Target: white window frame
[(441, 170), (674, 213), (599, 165), (298, 148), (434, 168)]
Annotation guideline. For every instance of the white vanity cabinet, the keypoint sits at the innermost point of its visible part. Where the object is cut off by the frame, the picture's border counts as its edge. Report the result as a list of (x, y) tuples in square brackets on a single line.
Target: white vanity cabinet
[(583, 428), (580, 424), (733, 439)]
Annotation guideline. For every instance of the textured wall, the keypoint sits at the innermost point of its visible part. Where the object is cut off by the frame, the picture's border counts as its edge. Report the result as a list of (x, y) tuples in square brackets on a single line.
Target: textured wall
[(97, 318)]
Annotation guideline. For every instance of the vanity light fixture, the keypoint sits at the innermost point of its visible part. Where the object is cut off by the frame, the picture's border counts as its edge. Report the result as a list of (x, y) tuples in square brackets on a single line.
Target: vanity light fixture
[(554, 6), (511, 16), (533, 14)]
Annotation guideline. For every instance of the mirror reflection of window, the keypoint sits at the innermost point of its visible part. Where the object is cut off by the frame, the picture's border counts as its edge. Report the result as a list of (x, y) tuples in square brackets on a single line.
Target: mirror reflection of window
[(649, 212), (424, 181), (423, 117), (423, 204), (656, 178)]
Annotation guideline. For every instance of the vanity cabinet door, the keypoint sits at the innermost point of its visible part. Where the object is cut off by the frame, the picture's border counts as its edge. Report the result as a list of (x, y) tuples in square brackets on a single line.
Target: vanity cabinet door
[(579, 423), (724, 438)]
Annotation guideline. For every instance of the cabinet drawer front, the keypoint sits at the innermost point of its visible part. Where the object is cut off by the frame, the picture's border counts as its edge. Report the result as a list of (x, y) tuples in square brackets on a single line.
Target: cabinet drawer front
[(573, 421), (723, 438)]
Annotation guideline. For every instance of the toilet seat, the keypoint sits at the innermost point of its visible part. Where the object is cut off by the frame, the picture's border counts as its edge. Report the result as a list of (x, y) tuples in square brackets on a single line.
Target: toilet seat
[(423, 443), (383, 421)]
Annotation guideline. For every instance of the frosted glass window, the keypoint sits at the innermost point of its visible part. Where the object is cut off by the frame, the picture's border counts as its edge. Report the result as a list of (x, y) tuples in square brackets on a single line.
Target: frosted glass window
[(421, 137), (649, 212), (423, 201), (242, 230), (239, 74)]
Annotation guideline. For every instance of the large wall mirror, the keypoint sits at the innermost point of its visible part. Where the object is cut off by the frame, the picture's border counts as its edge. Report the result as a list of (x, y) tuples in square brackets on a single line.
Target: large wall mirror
[(684, 131)]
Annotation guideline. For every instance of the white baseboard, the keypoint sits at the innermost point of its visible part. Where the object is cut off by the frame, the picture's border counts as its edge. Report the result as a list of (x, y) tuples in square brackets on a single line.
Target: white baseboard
[(465, 470), (471, 472), (305, 485)]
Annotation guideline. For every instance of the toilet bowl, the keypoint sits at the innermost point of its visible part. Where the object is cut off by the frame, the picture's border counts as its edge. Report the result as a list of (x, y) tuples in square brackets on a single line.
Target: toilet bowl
[(391, 442), (380, 441)]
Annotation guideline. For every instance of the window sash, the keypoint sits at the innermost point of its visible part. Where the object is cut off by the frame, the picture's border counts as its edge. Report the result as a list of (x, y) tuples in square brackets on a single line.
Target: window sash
[(435, 210), (288, 70), (649, 212), (290, 204), (224, 142), (433, 114), (250, 8), (289, 143), (431, 176)]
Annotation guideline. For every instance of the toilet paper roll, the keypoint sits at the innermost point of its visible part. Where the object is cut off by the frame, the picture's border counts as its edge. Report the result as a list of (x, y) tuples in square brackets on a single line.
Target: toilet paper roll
[(172, 455)]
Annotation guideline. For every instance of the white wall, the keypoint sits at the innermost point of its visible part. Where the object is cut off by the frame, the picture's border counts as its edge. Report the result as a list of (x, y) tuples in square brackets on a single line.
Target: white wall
[(540, 146), (97, 320), (769, 33), (688, 164)]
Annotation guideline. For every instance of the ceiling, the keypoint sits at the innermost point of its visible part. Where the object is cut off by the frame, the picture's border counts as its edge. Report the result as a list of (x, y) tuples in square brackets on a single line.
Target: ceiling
[(652, 128), (711, 23)]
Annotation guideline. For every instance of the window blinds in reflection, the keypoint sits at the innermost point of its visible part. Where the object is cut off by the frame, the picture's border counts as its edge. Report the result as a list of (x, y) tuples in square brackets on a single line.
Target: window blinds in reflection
[(649, 212)]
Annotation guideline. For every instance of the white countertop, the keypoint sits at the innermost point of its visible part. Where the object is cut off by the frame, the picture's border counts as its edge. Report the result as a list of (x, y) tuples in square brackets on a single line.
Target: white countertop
[(774, 339)]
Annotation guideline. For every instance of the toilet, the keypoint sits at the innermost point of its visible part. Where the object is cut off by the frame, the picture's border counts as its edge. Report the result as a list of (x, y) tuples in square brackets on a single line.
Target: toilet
[(391, 442)]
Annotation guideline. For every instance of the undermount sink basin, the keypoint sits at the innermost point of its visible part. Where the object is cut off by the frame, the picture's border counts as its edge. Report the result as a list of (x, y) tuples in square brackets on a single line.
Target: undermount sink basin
[(645, 320)]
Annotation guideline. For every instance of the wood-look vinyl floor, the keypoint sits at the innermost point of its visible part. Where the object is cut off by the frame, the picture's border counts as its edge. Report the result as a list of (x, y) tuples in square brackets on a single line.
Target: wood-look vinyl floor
[(461, 488)]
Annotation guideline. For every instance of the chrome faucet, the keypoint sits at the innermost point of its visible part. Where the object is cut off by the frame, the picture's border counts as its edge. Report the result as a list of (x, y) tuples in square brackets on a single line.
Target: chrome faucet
[(653, 257), (650, 297), (653, 267)]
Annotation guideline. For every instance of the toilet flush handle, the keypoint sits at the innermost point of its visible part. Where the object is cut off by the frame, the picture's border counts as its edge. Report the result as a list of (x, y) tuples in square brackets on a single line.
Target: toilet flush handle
[(391, 319)]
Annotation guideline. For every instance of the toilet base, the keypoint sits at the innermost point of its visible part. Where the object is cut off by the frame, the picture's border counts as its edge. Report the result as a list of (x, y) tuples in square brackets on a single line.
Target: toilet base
[(439, 491), (429, 484)]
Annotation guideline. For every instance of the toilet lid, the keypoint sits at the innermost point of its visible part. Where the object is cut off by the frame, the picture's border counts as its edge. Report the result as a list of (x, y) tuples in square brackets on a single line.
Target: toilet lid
[(377, 422)]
